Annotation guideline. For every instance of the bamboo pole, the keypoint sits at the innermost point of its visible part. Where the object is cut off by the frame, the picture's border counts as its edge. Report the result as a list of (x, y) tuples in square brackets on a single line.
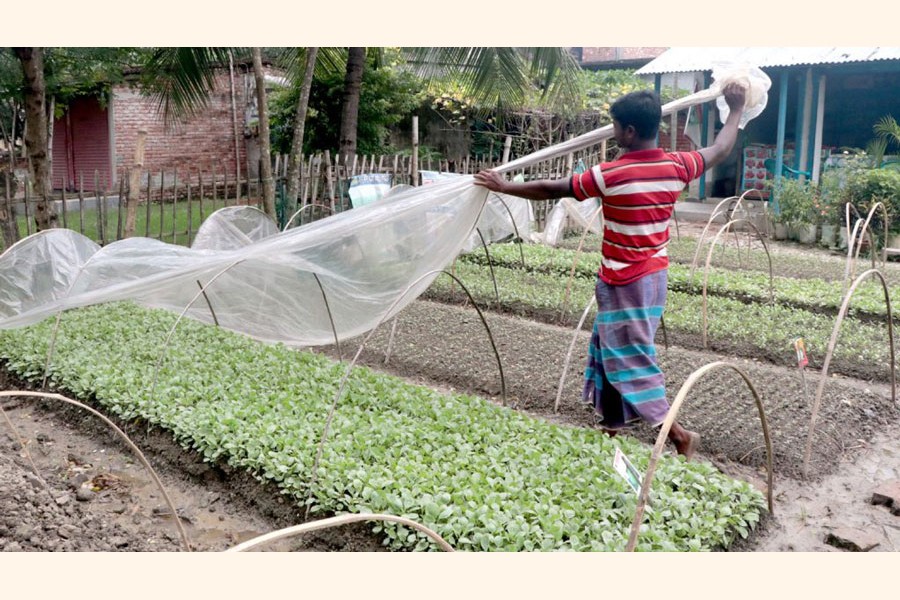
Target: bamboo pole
[(81, 203), (174, 205), (162, 203), (65, 220), (149, 204), (190, 220), (119, 221), (415, 151), (507, 147), (134, 182), (101, 212)]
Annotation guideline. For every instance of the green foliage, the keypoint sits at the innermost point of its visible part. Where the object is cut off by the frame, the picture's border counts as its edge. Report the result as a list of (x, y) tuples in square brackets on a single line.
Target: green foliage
[(737, 304), (388, 96), (865, 187), (482, 476), (798, 202)]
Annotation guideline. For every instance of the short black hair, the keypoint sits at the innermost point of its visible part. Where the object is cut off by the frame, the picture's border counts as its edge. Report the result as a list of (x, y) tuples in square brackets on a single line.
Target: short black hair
[(639, 109)]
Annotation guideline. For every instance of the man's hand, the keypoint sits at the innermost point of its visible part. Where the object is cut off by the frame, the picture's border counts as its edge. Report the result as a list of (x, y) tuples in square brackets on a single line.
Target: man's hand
[(735, 96), (492, 180)]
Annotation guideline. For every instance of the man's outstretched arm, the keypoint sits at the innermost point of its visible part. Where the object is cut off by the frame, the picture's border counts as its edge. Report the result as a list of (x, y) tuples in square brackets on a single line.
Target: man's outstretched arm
[(735, 96), (543, 189)]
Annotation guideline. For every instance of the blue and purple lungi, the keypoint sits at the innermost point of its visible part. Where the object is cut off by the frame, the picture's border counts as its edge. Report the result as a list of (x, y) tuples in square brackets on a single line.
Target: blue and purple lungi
[(622, 379)]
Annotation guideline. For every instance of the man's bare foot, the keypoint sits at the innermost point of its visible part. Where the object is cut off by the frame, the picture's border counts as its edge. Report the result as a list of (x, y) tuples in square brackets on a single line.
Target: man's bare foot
[(688, 445), (609, 432)]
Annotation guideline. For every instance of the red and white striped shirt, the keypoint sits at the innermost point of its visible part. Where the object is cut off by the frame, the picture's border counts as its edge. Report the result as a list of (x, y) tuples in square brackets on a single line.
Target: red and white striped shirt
[(638, 193)]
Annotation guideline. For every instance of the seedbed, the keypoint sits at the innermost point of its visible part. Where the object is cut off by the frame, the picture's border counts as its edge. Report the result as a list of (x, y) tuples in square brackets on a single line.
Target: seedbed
[(485, 477)]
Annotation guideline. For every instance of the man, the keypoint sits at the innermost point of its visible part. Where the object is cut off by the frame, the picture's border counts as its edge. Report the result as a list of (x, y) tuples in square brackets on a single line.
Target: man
[(638, 192)]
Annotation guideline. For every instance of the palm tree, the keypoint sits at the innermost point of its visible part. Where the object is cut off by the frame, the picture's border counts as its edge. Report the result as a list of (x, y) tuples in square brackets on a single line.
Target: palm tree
[(503, 77), (265, 155), (356, 63), (182, 78), (293, 170)]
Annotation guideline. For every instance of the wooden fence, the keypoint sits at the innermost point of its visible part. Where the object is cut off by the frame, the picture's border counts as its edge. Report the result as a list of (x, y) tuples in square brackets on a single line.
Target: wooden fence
[(173, 203)]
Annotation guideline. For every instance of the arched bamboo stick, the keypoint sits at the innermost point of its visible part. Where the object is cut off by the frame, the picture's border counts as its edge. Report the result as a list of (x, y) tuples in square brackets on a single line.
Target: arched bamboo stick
[(390, 346), (664, 434), (515, 227), (568, 359), (855, 237), (832, 343), (337, 342), (362, 346), (597, 213), (338, 521), (716, 212), (865, 229), (162, 352), (287, 224), (140, 455), (490, 265), (709, 258), (52, 347)]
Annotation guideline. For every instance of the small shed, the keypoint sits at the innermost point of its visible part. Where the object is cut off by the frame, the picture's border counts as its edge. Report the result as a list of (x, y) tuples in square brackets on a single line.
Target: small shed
[(822, 101)]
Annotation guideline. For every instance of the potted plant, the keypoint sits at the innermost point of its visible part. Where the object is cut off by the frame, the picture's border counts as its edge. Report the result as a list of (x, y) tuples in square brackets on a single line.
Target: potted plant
[(865, 187), (796, 209), (828, 206)]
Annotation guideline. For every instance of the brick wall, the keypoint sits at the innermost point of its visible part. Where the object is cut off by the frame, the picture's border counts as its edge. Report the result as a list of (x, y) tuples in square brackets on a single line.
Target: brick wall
[(201, 142), (684, 143)]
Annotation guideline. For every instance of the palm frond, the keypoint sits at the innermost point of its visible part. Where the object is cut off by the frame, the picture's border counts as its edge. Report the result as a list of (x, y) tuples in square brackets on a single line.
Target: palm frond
[(501, 76), (181, 79), (888, 129)]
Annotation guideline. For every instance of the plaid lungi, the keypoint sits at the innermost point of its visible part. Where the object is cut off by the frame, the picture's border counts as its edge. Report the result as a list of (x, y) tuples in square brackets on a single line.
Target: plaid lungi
[(622, 379)]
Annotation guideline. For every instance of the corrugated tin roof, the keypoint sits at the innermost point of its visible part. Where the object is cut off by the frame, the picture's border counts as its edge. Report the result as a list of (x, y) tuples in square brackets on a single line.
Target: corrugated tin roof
[(685, 59)]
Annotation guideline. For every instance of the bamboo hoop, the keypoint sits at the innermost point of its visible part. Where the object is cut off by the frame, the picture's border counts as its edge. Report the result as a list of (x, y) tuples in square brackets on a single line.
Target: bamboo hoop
[(287, 225), (490, 265), (140, 455), (568, 359), (832, 343), (709, 259), (165, 347), (854, 236), (362, 346), (865, 228), (336, 522), (694, 377), (597, 213), (515, 227)]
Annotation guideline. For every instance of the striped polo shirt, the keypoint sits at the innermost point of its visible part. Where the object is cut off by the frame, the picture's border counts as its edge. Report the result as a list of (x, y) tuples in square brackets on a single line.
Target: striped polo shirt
[(638, 193)]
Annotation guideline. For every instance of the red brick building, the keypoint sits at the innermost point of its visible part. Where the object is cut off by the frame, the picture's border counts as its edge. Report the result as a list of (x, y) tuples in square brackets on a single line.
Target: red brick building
[(95, 140)]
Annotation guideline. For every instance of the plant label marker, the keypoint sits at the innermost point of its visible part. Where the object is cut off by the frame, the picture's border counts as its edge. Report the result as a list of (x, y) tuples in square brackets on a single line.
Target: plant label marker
[(628, 471), (800, 349)]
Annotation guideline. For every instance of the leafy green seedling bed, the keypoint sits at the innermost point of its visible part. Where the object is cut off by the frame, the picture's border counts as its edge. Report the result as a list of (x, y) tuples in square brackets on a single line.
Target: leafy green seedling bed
[(484, 477), (812, 294), (753, 329)]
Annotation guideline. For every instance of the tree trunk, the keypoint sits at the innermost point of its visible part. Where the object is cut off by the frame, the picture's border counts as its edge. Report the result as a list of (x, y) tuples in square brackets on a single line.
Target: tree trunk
[(265, 154), (8, 223), (293, 173), (356, 62), (32, 61)]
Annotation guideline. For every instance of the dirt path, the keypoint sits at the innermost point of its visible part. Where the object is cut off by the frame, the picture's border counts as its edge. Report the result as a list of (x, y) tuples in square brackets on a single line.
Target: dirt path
[(92, 494)]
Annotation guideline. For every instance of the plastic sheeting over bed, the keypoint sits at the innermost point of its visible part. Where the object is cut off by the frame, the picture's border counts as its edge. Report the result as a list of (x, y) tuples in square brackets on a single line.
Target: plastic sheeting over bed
[(279, 286)]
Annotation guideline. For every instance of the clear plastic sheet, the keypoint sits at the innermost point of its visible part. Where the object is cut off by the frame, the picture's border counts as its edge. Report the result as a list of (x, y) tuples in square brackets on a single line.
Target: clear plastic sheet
[(569, 211), (351, 270), (274, 289)]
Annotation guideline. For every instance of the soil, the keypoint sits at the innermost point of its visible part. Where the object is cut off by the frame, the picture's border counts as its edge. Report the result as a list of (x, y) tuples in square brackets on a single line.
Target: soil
[(91, 494)]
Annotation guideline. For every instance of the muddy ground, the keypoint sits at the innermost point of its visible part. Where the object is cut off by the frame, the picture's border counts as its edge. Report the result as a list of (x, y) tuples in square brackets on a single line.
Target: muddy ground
[(93, 495)]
